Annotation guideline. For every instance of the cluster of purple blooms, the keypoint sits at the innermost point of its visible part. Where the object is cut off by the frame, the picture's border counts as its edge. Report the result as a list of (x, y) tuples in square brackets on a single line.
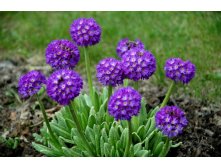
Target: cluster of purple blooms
[(171, 120), (62, 54), (124, 104), (109, 72), (179, 70), (85, 32), (64, 84), (30, 83), (125, 45), (135, 63), (138, 64)]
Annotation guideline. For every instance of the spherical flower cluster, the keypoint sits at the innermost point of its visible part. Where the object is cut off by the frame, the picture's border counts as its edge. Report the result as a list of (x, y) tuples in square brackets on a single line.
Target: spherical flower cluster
[(109, 72), (62, 54), (138, 64), (179, 70), (125, 44), (30, 83), (124, 103), (171, 120), (85, 32), (64, 85)]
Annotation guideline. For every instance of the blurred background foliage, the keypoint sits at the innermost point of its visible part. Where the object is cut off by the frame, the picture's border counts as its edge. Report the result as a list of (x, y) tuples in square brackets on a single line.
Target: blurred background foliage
[(190, 35)]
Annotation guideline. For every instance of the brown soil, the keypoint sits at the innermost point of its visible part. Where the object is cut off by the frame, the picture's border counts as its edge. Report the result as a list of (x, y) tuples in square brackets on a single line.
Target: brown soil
[(202, 137)]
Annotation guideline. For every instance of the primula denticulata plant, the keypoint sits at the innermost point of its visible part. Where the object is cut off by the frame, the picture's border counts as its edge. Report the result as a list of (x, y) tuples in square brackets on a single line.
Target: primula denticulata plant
[(114, 121)]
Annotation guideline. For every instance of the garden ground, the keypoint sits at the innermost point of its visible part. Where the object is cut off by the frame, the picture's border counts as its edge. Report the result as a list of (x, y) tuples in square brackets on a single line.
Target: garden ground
[(190, 35)]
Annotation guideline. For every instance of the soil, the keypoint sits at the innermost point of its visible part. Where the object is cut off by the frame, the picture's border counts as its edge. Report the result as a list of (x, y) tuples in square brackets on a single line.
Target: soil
[(202, 137)]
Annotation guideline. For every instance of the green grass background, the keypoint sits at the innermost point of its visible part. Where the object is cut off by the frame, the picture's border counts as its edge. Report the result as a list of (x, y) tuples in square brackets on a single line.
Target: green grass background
[(190, 35)]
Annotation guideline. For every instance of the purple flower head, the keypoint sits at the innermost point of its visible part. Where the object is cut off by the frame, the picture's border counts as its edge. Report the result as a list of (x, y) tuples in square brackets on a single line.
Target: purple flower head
[(64, 85), (171, 120), (124, 103), (125, 44), (109, 72), (179, 70), (85, 32), (62, 54), (138, 64), (30, 83)]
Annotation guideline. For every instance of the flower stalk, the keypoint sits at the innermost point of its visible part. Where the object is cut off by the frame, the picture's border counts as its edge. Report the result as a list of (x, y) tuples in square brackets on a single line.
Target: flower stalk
[(46, 119), (89, 78), (79, 128), (126, 81), (129, 139), (110, 89), (167, 97), (136, 85)]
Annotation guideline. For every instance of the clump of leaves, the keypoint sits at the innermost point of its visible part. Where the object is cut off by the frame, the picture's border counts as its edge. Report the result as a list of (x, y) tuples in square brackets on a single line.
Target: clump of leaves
[(106, 136), (10, 142)]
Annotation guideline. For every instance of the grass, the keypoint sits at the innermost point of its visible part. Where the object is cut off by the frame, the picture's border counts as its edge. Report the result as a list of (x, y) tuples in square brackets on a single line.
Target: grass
[(190, 35)]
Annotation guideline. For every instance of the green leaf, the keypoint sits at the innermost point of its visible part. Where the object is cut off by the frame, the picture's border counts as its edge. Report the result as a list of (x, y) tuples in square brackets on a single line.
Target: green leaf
[(45, 150), (70, 124), (70, 152), (83, 121), (91, 121), (107, 149), (96, 100), (97, 132), (176, 145), (153, 112), (166, 148), (148, 138), (124, 138), (113, 135), (158, 149), (66, 140), (104, 134), (135, 123), (143, 113), (156, 140), (87, 100), (143, 153), (152, 126), (135, 138), (104, 95), (79, 143), (112, 151), (141, 132), (90, 135), (137, 147), (60, 131), (102, 146)]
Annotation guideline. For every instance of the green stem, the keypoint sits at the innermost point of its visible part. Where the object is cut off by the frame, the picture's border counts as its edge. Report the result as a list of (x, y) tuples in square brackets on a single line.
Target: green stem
[(89, 78), (136, 85), (126, 82), (46, 119), (109, 91), (129, 139), (79, 128), (167, 97)]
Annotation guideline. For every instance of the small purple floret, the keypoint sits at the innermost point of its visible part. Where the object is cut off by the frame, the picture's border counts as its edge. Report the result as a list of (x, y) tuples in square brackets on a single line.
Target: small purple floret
[(138, 64), (85, 32), (30, 83), (125, 44), (109, 72), (124, 103), (62, 54), (179, 70), (64, 85), (171, 120)]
